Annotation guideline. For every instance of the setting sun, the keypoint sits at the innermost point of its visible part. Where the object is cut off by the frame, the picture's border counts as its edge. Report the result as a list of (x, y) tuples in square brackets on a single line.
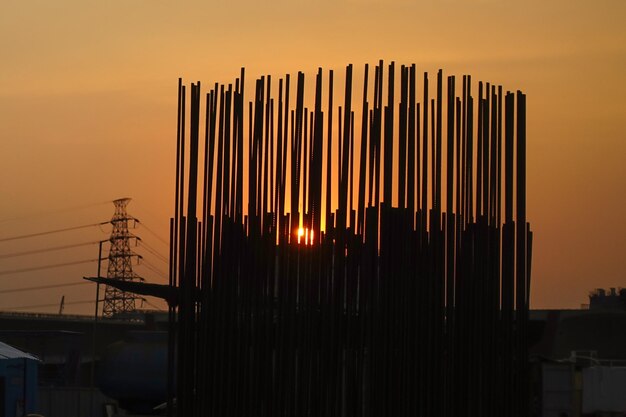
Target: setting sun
[(307, 234)]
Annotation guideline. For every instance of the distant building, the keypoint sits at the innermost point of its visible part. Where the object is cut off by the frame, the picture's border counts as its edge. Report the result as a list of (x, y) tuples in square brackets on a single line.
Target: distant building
[(18, 382), (579, 357), (614, 299), (66, 358)]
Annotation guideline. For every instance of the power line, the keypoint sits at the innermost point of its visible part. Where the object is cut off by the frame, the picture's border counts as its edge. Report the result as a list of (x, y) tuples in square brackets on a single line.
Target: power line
[(165, 242), (49, 232), (153, 268), (38, 268), (43, 287), (54, 211), (49, 305), (153, 251), (30, 252), (152, 305)]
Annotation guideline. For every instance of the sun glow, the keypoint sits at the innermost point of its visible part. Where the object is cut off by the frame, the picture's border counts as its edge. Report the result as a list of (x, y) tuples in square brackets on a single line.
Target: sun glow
[(306, 234)]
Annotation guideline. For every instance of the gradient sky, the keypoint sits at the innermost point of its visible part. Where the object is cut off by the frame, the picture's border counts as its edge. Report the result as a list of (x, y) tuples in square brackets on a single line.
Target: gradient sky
[(88, 112)]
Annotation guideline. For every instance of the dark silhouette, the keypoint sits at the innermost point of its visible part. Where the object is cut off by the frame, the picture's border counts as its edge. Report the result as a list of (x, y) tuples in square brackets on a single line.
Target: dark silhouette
[(419, 308)]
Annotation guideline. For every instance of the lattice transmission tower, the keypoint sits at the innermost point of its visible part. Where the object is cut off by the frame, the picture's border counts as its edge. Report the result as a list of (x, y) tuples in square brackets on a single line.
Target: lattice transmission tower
[(120, 262)]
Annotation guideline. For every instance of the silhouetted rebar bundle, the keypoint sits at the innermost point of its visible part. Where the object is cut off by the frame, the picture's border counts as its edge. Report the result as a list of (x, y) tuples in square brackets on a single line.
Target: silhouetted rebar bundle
[(331, 265)]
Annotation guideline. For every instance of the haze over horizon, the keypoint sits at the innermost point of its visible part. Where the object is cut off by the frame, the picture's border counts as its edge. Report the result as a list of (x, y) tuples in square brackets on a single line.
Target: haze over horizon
[(88, 113)]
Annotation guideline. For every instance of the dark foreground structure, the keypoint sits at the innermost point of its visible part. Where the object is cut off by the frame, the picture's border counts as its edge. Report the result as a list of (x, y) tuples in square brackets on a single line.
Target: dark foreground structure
[(333, 263)]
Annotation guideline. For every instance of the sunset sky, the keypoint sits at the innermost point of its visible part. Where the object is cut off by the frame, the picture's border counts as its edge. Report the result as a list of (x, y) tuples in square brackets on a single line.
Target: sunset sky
[(88, 113)]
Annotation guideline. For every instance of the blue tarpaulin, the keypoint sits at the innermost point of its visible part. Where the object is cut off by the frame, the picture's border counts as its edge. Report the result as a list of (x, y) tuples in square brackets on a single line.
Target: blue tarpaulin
[(18, 382)]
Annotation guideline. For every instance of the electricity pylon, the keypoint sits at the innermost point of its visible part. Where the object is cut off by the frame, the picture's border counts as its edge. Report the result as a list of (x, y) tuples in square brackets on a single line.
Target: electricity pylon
[(120, 262)]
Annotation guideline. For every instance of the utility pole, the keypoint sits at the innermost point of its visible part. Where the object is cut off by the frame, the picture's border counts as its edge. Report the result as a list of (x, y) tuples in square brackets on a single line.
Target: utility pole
[(120, 262), (93, 335)]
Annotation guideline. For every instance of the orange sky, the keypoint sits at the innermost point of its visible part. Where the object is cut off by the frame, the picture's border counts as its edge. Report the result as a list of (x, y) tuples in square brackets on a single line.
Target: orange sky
[(88, 111)]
